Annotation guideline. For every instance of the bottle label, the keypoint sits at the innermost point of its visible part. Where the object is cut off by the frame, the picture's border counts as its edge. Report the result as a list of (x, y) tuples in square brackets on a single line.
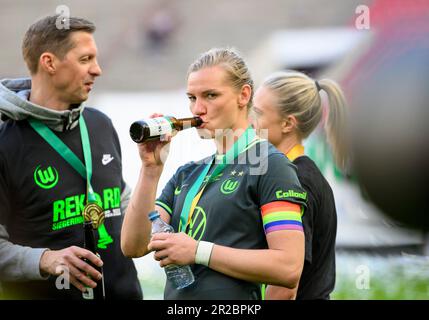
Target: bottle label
[(159, 126)]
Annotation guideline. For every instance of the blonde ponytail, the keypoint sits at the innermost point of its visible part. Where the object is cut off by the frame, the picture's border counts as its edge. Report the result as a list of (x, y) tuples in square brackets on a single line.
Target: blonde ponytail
[(335, 126), (299, 95)]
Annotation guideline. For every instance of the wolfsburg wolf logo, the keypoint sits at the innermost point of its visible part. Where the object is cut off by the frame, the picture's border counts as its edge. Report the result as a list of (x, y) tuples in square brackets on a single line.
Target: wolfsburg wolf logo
[(46, 178)]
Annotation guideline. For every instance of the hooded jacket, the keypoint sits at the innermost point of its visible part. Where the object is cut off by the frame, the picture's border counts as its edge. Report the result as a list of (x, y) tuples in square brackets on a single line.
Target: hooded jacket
[(14, 104), (21, 263)]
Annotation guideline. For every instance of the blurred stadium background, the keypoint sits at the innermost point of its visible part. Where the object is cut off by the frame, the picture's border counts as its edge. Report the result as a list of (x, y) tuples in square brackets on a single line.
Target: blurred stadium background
[(145, 48)]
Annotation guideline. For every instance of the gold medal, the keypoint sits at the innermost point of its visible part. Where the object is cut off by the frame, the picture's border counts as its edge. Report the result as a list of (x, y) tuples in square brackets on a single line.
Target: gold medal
[(93, 213)]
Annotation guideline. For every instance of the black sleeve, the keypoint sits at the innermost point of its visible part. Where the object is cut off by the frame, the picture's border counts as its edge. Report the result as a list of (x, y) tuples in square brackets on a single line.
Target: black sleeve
[(308, 221), (118, 145), (5, 205), (125, 189), (166, 199), (280, 182)]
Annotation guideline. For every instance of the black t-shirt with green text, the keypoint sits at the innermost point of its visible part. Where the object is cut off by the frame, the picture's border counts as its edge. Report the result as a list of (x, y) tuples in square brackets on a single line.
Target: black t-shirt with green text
[(42, 198)]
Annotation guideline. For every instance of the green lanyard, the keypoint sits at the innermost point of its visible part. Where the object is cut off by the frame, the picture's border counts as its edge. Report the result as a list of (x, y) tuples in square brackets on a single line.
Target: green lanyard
[(196, 191), (84, 170)]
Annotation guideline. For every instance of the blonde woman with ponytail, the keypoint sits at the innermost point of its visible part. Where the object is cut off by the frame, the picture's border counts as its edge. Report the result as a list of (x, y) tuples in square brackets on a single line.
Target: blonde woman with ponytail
[(289, 105)]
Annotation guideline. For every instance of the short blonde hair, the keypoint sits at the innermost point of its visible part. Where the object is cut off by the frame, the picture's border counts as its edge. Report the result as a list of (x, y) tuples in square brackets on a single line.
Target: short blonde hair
[(231, 61)]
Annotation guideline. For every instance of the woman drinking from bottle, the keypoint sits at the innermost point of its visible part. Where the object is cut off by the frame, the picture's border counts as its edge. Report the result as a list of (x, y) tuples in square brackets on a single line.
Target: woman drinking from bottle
[(237, 213)]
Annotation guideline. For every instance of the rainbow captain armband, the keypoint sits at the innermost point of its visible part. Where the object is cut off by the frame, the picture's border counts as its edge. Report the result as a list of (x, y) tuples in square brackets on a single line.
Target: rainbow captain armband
[(281, 215)]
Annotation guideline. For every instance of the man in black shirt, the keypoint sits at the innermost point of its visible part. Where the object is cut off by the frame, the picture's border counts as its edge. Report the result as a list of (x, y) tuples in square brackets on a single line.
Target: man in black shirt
[(57, 157)]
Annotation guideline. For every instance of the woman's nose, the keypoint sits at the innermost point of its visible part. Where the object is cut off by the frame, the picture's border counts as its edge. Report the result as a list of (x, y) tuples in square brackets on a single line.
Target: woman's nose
[(198, 107)]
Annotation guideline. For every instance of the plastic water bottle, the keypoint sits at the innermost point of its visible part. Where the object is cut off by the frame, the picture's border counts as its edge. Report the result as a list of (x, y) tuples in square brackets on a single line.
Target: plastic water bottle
[(180, 276)]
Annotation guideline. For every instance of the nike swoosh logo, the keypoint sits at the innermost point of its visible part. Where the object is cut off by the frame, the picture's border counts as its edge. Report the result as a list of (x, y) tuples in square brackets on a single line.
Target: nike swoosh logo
[(177, 190), (107, 159)]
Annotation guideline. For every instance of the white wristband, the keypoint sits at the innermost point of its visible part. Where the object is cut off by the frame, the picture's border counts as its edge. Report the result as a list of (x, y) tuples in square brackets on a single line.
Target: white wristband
[(204, 252)]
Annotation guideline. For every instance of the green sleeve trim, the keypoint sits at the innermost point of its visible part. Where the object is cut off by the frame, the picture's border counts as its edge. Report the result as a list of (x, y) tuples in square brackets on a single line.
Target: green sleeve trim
[(263, 290), (164, 206)]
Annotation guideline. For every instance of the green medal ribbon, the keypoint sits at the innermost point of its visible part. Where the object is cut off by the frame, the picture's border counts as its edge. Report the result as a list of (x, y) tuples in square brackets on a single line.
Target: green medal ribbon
[(197, 189), (68, 155)]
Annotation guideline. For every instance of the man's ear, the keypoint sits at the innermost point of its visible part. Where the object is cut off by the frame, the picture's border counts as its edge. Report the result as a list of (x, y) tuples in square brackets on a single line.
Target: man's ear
[(289, 124), (244, 97), (47, 62)]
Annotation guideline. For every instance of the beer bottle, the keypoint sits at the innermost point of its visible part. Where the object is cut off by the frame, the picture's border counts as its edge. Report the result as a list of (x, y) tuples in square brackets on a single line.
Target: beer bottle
[(153, 129), (98, 292)]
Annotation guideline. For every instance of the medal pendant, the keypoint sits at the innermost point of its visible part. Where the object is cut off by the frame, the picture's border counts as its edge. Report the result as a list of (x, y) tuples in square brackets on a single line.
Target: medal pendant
[(93, 213)]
